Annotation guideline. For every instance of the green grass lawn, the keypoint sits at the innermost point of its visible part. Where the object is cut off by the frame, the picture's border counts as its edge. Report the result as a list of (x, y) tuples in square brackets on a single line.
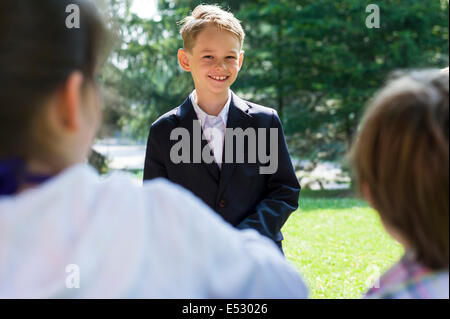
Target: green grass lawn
[(338, 244)]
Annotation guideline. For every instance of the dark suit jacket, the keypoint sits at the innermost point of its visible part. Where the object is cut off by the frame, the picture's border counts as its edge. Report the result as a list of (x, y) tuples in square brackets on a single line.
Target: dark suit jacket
[(237, 192)]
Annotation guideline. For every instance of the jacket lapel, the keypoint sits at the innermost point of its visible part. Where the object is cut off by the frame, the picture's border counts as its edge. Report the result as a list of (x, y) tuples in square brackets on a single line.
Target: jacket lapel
[(186, 117), (238, 117)]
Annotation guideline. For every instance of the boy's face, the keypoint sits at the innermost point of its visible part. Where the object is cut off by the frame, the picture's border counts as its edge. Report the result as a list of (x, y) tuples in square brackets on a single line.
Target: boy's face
[(214, 61)]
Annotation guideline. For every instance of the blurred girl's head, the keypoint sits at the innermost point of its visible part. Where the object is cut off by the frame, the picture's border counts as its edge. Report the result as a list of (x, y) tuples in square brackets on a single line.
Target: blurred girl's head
[(401, 161), (49, 106)]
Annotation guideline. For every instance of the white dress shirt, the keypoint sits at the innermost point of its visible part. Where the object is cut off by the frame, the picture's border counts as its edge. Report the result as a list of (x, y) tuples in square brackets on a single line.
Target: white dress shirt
[(119, 240), (214, 127)]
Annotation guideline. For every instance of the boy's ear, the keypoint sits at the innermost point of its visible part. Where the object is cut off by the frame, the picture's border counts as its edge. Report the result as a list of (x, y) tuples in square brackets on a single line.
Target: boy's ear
[(241, 59), (68, 106), (183, 59)]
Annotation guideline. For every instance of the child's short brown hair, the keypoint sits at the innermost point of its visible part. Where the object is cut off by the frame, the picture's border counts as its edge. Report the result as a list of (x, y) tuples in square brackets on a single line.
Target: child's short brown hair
[(205, 15), (402, 155)]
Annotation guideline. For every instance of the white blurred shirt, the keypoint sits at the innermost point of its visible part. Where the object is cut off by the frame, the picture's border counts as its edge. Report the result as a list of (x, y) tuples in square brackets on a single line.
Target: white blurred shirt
[(125, 241), (214, 127)]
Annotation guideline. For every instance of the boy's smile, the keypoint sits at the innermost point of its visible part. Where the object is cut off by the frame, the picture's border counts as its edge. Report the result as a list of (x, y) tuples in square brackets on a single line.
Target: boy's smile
[(219, 78), (214, 61)]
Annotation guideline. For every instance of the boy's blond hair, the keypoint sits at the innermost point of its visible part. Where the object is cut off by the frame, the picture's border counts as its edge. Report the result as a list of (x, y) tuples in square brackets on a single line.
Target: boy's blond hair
[(205, 15)]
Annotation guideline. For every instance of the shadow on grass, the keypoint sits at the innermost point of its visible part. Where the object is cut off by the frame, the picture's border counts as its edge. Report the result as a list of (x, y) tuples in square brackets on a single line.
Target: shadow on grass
[(329, 200), (326, 193)]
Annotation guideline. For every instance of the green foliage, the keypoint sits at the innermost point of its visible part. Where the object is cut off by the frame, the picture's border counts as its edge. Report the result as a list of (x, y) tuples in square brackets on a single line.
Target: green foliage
[(143, 70), (318, 64), (99, 162), (314, 61)]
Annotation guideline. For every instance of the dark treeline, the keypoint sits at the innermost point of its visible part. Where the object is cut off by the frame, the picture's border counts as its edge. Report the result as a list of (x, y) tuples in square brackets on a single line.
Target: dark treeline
[(315, 61)]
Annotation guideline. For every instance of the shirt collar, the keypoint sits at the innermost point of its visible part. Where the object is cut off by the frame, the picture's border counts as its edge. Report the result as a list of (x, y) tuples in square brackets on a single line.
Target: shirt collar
[(202, 114)]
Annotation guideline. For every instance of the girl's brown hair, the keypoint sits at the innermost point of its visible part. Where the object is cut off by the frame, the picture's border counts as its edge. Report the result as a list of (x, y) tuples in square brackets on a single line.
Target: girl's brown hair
[(401, 154), (38, 51)]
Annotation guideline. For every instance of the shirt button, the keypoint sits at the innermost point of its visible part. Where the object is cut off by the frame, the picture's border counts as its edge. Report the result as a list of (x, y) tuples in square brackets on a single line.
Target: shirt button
[(223, 203)]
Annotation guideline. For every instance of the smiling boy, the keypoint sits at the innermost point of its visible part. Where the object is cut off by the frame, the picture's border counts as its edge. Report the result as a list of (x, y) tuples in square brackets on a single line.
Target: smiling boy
[(235, 189), (214, 59)]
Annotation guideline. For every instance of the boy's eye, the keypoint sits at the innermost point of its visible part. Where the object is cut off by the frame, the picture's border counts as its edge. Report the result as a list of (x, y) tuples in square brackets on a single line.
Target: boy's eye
[(231, 57), (208, 57)]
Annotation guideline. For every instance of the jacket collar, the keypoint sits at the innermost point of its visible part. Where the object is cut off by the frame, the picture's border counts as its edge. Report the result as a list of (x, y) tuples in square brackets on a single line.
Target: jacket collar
[(238, 117), (237, 105)]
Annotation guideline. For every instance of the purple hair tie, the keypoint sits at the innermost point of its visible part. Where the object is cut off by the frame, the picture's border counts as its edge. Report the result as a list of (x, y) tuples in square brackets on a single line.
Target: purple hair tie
[(13, 173)]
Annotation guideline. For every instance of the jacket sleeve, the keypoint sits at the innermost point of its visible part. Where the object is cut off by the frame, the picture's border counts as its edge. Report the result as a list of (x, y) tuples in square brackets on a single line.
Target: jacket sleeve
[(282, 196), (154, 166)]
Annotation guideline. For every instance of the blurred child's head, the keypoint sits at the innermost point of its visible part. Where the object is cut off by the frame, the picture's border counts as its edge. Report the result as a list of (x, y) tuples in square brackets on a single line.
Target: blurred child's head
[(213, 40), (401, 161), (49, 102)]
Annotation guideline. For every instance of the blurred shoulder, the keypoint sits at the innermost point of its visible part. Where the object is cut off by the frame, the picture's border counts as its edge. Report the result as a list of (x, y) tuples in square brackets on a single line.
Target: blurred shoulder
[(173, 198)]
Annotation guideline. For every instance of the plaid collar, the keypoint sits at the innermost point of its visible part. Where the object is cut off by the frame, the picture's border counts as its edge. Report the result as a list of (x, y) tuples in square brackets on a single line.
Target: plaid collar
[(407, 277)]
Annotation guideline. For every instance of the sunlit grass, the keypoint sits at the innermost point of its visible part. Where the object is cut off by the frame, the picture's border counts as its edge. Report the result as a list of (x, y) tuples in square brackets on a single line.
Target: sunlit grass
[(338, 244)]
